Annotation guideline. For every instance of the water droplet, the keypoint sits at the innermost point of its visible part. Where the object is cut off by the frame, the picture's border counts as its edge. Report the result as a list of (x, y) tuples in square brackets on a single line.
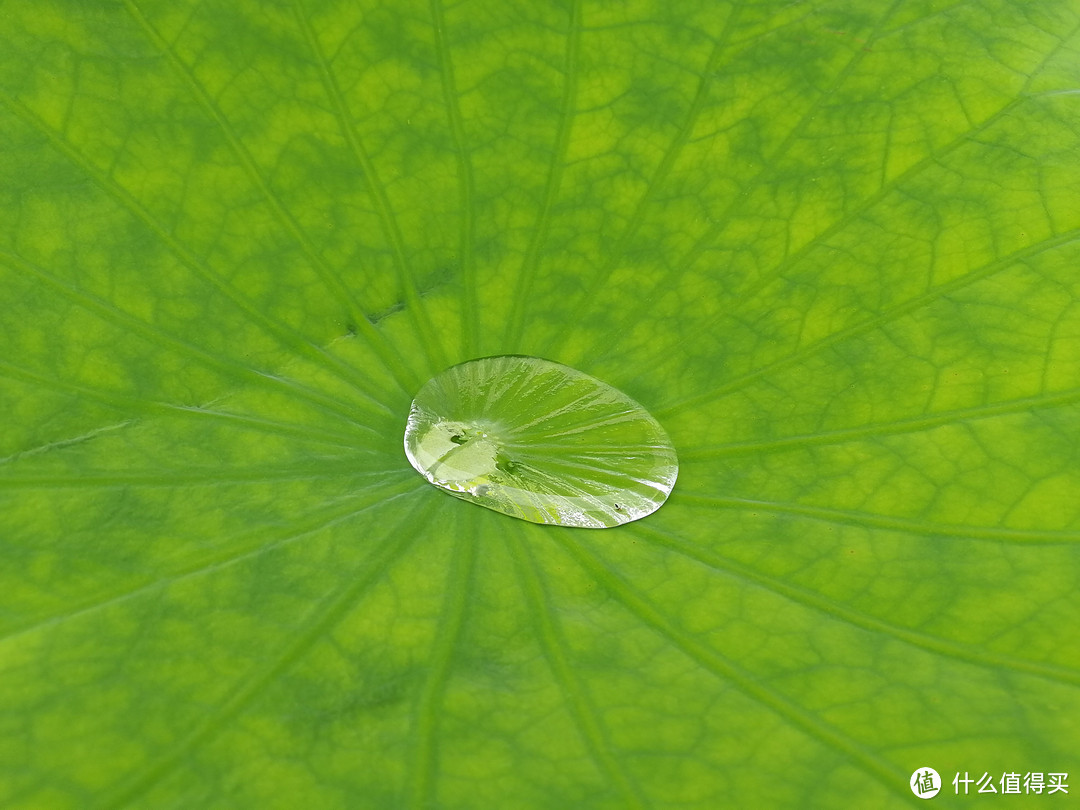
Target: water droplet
[(540, 441)]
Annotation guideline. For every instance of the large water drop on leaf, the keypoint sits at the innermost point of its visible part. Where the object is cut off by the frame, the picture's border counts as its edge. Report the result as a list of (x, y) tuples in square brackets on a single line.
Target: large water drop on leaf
[(540, 441)]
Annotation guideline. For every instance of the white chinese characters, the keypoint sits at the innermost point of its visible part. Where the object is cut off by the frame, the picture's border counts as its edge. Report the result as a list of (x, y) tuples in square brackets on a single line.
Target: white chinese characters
[(1012, 782)]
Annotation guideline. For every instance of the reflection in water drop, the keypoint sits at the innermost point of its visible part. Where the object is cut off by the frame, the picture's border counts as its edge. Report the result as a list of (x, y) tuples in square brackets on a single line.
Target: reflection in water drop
[(540, 441)]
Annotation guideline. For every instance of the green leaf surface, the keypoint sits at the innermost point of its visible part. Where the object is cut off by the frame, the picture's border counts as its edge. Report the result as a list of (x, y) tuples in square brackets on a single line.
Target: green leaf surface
[(832, 247)]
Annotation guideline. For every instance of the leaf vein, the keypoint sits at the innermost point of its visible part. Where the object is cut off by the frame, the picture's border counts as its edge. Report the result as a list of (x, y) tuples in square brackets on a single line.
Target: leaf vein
[(578, 702), (725, 670), (330, 278), (966, 653), (328, 614), (522, 294), (448, 636), (414, 303), (858, 518)]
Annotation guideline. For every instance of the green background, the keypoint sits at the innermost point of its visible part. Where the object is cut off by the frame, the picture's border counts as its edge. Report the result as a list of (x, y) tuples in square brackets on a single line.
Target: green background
[(832, 246)]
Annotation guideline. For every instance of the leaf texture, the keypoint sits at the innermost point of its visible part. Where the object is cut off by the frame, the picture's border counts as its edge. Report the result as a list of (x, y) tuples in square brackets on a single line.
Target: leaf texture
[(831, 247)]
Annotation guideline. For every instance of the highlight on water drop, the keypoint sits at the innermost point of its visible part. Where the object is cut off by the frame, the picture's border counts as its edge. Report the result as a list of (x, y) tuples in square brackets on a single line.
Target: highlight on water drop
[(540, 441)]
